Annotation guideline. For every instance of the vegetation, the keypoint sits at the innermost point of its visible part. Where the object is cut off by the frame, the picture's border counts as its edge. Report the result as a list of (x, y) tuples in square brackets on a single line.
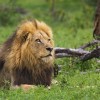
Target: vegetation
[(72, 26)]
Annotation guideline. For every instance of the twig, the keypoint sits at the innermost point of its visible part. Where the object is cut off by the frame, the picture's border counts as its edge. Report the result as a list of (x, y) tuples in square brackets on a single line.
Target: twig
[(90, 44)]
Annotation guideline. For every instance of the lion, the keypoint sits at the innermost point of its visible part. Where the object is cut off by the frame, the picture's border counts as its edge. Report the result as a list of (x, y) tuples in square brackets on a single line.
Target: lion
[(27, 57)]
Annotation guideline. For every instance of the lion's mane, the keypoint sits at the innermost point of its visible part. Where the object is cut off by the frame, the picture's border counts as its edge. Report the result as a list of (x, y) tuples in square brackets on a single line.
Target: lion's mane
[(28, 54)]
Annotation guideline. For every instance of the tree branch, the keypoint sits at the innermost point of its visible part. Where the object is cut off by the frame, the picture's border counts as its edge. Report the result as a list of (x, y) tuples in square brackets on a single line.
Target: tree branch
[(94, 54), (82, 54), (65, 52), (90, 44)]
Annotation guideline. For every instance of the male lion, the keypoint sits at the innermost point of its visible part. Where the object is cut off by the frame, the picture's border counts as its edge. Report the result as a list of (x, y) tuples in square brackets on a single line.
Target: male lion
[(28, 55)]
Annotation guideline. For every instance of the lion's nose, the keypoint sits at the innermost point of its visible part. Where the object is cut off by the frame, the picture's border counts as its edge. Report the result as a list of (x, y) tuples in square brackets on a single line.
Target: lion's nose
[(49, 49)]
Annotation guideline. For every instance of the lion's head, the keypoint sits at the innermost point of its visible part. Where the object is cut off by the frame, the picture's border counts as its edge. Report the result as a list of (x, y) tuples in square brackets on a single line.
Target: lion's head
[(32, 44)]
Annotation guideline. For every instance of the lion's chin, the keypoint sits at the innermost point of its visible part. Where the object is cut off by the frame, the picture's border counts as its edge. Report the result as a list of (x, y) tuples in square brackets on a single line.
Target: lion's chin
[(47, 59)]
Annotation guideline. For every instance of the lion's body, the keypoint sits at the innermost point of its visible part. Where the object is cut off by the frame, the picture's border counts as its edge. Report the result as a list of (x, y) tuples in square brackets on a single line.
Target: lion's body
[(28, 55)]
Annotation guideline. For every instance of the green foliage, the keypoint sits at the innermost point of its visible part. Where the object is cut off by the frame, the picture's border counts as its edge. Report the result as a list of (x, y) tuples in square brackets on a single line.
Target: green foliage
[(76, 80), (92, 3), (10, 13)]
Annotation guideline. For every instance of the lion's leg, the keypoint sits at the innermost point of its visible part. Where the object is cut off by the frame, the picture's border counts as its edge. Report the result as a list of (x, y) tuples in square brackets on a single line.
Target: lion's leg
[(24, 87)]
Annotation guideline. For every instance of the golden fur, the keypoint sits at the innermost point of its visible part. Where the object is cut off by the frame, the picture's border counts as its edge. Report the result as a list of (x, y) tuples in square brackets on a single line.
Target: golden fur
[(29, 54)]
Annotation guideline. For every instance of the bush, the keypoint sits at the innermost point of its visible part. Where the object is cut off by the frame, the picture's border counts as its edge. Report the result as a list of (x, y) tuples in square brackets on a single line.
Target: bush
[(10, 13)]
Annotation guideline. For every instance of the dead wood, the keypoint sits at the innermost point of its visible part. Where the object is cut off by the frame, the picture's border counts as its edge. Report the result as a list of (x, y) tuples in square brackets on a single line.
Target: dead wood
[(65, 52), (93, 54), (94, 42), (96, 32), (80, 52)]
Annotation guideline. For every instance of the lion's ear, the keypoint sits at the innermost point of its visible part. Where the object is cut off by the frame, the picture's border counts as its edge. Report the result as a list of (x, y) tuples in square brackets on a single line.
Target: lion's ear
[(24, 37)]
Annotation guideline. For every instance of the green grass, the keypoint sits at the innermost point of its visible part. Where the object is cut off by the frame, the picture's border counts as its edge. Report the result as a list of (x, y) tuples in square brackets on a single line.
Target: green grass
[(70, 87), (77, 80)]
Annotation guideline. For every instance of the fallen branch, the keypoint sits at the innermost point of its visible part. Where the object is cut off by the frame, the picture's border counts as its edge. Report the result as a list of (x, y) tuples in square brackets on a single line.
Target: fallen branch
[(95, 42), (82, 54), (65, 52), (94, 54)]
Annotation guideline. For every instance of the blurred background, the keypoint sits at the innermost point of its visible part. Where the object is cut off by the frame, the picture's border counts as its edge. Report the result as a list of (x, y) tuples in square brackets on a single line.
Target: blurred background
[(70, 20)]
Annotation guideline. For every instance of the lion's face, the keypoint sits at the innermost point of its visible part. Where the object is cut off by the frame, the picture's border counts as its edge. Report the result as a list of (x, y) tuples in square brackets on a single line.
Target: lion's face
[(34, 44), (42, 46)]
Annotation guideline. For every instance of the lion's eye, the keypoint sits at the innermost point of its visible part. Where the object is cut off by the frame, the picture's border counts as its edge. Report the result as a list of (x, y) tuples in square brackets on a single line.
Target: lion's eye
[(38, 40), (49, 39)]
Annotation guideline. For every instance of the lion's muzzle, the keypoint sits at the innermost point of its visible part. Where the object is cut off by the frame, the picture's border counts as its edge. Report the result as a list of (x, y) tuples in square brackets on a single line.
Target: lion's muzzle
[(49, 49)]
